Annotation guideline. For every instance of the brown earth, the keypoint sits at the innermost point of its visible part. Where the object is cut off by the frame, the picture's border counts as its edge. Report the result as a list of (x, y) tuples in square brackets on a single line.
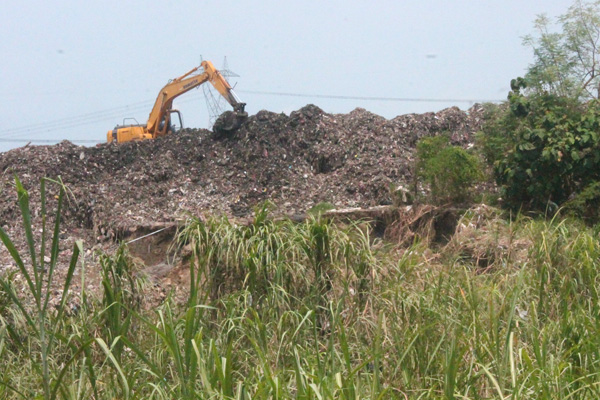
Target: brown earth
[(295, 161)]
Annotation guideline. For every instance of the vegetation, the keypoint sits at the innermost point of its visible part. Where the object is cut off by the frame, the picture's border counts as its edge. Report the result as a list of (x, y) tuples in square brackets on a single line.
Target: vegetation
[(34, 332), (507, 309), (543, 144), (586, 204), (322, 311), (450, 171), (567, 63), (543, 148)]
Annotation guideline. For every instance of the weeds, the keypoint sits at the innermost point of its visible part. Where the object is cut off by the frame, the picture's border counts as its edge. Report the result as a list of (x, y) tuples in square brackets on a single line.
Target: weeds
[(317, 310), (40, 323), (121, 297)]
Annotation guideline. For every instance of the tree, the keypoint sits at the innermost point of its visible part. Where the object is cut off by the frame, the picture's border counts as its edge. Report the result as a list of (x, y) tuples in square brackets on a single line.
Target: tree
[(544, 143), (567, 63), (544, 148)]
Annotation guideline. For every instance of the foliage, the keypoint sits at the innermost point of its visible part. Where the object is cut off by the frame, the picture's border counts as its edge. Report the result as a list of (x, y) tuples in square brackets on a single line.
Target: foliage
[(567, 63), (543, 148), (4, 297), (543, 144), (378, 323), (270, 256), (120, 296), (450, 171), (41, 321), (320, 208), (586, 204)]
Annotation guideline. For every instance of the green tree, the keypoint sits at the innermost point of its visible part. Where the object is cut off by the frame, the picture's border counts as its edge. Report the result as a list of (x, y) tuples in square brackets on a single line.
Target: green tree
[(567, 63), (544, 142), (543, 147)]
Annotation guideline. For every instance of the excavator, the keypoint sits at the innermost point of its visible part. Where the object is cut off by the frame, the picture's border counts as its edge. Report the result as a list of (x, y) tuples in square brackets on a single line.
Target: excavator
[(160, 121)]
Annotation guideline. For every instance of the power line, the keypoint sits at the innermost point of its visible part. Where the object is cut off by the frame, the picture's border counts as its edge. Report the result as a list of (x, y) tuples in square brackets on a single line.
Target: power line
[(91, 114), (48, 140), (368, 98), (80, 120), (73, 121), (11, 134)]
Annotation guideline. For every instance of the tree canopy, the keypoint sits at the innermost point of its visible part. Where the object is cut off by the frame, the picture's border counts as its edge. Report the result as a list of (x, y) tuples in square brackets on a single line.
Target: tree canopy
[(567, 62), (544, 143)]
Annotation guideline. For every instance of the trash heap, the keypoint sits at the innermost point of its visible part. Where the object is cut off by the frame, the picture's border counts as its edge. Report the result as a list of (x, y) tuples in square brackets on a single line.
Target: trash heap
[(295, 161)]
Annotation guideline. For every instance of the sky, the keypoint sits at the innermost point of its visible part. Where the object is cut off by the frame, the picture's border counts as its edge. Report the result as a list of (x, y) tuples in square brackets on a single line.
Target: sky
[(74, 69)]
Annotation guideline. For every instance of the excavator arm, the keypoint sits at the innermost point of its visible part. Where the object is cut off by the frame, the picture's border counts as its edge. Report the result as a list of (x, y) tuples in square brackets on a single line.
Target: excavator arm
[(159, 118)]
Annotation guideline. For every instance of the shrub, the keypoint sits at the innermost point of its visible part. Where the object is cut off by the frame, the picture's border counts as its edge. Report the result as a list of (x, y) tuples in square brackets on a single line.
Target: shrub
[(450, 171), (543, 148), (586, 204)]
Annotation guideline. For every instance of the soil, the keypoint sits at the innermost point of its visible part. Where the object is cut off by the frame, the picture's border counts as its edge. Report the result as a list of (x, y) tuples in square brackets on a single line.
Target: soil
[(295, 161)]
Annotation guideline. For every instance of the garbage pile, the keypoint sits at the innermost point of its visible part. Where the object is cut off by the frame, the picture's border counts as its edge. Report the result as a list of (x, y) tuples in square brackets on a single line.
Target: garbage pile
[(295, 161)]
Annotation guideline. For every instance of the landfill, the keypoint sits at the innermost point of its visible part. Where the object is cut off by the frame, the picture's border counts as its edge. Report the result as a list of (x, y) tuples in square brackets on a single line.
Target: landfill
[(295, 161)]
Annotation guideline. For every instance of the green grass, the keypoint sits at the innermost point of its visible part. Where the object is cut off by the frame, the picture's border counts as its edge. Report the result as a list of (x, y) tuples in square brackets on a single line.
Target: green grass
[(315, 310)]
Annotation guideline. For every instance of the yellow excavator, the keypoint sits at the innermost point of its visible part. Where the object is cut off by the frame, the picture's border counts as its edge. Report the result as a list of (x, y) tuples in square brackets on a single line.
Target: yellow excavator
[(160, 121)]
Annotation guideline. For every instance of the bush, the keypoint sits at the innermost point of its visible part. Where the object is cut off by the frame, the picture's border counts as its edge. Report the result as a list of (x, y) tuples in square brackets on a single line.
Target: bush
[(586, 204), (543, 148), (450, 171)]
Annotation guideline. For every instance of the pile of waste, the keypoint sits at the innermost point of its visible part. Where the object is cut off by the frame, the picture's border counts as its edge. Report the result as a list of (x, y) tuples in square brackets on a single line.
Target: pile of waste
[(295, 161)]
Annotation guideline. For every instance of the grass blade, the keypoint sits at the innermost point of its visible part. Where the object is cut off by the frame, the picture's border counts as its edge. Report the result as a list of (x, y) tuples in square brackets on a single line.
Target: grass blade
[(116, 364)]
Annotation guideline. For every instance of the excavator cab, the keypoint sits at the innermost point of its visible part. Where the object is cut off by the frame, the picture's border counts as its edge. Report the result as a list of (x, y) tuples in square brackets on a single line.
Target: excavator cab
[(169, 123)]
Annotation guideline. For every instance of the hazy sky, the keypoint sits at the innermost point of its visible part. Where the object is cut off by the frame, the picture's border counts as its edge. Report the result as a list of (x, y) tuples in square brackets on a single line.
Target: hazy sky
[(74, 69)]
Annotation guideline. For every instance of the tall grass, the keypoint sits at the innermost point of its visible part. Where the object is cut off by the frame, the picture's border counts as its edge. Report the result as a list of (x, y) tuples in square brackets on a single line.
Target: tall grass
[(277, 262), (320, 310), (41, 328)]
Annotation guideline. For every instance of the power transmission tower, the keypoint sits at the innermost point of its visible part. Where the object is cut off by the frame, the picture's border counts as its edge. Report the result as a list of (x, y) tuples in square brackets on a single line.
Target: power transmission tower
[(214, 101)]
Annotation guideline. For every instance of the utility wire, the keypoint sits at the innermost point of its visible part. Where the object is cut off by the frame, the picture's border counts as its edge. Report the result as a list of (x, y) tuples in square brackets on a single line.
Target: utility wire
[(92, 114), (16, 134), (74, 121), (81, 120), (49, 140), (55, 127), (369, 98)]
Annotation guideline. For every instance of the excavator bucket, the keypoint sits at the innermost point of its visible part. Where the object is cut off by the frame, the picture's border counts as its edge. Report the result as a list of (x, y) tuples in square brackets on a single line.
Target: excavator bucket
[(229, 122)]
